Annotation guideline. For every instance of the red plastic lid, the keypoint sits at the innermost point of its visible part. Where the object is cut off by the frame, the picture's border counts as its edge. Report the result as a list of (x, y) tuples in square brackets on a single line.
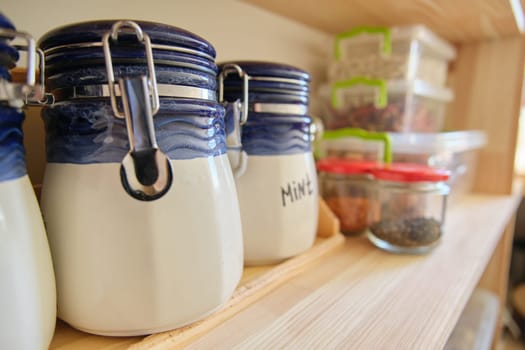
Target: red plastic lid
[(348, 167), (404, 172)]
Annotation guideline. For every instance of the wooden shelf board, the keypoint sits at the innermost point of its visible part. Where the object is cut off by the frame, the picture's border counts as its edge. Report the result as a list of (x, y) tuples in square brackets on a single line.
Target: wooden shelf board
[(362, 298), (457, 21)]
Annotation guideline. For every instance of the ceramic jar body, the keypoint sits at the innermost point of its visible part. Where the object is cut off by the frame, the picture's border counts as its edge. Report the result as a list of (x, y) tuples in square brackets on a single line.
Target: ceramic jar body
[(27, 293), (278, 200), (278, 192)]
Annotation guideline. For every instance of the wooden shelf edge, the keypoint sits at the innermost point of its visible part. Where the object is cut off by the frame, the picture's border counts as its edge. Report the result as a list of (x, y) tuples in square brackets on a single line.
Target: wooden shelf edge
[(455, 21)]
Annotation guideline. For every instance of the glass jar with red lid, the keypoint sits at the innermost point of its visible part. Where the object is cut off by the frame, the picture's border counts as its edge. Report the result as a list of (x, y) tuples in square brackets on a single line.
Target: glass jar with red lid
[(347, 188), (411, 208)]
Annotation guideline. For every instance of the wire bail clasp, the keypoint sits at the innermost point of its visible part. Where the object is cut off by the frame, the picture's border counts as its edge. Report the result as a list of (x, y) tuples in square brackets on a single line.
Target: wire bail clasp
[(18, 94), (145, 171), (236, 117), (151, 78)]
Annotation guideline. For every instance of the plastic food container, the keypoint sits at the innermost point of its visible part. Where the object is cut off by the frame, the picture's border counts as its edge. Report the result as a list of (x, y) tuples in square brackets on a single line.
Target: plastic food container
[(377, 105), (455, 151), (411, 204), (407, 52), (347, 188)]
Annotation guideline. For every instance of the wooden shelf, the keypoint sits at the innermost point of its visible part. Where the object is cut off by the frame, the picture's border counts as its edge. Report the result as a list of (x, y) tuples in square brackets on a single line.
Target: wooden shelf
[(362, 298), (457, 21), (355, 294)]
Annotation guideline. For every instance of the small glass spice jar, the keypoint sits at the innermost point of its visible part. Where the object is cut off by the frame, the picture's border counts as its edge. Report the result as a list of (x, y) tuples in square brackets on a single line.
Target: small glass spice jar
[(347, 188), (412, 205)]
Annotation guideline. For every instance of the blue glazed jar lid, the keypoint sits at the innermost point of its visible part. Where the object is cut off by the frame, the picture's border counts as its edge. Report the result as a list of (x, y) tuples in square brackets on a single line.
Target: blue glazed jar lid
[(89, 57), (74, 57), (269, 82), (268, 76), (92, 32), (5, 22), (269, 69)]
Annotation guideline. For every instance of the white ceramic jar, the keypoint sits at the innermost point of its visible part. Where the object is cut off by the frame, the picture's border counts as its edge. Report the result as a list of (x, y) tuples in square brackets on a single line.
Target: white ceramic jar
[(144, 238), (269, 135), (27, 282)]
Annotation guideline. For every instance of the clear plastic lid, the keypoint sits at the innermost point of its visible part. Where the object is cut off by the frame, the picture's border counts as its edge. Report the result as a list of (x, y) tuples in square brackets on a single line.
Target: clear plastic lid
[(340, 92), (426, 37), (420, 88), (428, 143), (410, 143), (387, 39)]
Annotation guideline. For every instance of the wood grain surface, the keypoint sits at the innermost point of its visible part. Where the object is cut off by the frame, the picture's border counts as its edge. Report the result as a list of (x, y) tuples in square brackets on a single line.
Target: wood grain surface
[(362, 298), (487, 79), (457, 21)]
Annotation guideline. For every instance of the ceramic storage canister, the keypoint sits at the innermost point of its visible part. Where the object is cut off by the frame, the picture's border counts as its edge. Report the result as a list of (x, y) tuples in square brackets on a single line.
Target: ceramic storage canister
[(138, 195), (269, 140), (27, 282)]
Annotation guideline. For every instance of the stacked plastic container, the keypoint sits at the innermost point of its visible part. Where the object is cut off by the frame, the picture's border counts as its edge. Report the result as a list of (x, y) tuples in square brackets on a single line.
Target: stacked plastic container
[(388, 79), (392, 80)]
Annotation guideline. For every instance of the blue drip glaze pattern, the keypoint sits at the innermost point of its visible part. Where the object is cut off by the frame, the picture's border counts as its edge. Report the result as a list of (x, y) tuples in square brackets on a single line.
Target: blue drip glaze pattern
[(266, 134), (284, 137), (12, 153), (86, 132)]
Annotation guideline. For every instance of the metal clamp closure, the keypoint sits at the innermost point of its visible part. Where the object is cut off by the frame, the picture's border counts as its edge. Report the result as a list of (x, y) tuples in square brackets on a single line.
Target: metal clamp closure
[(38, 96), (152, 80), (17, 93), (227, 69), (145, 171)]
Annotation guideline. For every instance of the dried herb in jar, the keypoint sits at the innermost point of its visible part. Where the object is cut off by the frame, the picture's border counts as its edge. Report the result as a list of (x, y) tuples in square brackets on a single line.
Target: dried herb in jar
[(354, 213), (409, 232)]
